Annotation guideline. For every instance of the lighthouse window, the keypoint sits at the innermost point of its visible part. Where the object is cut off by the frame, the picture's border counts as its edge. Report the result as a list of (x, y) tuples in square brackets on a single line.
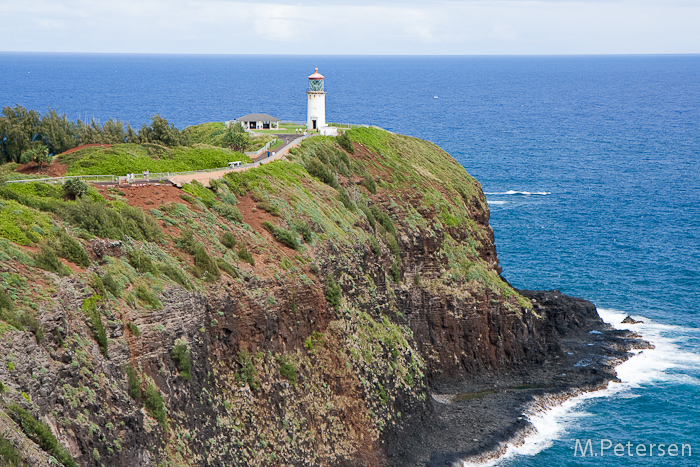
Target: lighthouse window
[(315, 85)]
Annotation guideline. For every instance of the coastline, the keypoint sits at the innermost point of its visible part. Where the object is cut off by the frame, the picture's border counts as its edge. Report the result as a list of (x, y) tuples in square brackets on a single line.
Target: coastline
[(476, 422)]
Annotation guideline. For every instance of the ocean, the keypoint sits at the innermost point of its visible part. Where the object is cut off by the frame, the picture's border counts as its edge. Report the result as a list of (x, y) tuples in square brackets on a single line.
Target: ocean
[(590, 164)]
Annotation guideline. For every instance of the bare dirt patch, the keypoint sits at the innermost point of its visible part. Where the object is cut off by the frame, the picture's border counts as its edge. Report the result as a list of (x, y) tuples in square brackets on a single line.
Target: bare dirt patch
[(145, 196), (55, 169)]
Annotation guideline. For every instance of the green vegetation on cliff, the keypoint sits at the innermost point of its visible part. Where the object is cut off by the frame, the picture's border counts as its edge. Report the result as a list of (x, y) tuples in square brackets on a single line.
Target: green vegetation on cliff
[(279, 314)]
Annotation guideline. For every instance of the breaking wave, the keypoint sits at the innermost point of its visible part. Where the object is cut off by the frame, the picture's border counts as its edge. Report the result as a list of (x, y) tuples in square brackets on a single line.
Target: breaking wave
[(520, 193), (551, 418)]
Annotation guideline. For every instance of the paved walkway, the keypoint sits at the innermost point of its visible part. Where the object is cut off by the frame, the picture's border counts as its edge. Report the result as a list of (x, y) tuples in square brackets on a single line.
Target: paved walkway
[(204, 177)]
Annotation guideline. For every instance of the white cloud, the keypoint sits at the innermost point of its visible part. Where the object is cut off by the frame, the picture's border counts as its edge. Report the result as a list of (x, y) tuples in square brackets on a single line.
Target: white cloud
[(352, 27)]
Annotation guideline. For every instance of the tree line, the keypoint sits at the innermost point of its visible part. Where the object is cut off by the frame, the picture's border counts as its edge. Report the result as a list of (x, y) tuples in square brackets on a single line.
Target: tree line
[(27, 135)]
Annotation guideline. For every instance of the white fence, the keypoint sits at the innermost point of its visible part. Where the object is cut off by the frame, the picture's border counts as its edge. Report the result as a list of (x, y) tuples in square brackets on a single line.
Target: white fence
[(153, 177), (262, 149)]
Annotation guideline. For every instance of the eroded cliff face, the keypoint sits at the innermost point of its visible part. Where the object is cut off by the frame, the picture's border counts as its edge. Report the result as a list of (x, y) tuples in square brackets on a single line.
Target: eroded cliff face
[(358, 283)]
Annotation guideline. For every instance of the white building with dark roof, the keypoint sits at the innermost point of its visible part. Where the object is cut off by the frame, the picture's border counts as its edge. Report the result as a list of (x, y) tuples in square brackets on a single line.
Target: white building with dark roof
[(259, 122)]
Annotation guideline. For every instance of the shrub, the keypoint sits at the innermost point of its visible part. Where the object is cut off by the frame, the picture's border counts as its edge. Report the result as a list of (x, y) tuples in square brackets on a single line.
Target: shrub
[(301, 227), (282, 235), (345, 199), (266, 206), (181, 355), (97, 285), (134, 329), (245, 255), (19, 320), (146, 296), (368, 214), (369, 183), (98, 329), (40, 433), (346, 143), (200, 191), (228, 240), (5, 301), (47, 259), (140, 261), (116, 221), (9, 453), (228, 212), (134, 382), (205, 264), (396, 271), (288, 370), (246, 373), (227, 267), (374, 245), (155, 406), (175, 274), (112, 285), (392, 244), (74, 188), (384, 220), (332, 292), (69, 248), (319, 170), (187, 242)]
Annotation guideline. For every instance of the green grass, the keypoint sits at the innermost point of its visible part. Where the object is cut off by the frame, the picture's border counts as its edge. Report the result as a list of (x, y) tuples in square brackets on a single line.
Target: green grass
[(207, 133), (40, 432), (200, 191), (121, 159), (114, 220), (144, 294), (281, 171), (22, 225)]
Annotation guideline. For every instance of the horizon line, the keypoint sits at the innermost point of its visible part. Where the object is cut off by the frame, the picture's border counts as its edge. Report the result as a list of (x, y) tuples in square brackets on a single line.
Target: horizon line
[(358, 55)]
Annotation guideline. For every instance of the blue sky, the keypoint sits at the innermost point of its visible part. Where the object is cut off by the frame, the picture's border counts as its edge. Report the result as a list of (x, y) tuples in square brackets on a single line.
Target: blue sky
[(352, 27)]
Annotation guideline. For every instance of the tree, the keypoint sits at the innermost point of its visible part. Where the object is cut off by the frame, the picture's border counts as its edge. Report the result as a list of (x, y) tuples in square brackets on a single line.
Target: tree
[(39, 155), (74, 188), (89, 133), (162, 132), (19, 127), (237, 138), (113, 132), (57, 133)]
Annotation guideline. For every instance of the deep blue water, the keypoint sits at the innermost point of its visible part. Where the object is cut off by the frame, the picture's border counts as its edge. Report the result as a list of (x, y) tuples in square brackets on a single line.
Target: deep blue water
[(608, 147)]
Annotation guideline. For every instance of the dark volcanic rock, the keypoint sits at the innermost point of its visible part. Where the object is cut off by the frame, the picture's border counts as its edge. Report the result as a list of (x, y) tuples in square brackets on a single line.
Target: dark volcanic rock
[(477, 416)]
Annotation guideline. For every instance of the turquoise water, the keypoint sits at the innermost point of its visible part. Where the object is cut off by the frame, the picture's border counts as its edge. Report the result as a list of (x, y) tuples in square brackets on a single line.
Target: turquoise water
[(591, 166)]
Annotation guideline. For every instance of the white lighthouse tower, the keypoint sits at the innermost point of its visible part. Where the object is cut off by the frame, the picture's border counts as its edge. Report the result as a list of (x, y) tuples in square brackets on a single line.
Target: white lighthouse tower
[(316, 114)]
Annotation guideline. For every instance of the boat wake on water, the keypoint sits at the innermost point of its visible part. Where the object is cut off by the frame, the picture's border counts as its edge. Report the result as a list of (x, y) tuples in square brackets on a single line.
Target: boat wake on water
[(551, 417)]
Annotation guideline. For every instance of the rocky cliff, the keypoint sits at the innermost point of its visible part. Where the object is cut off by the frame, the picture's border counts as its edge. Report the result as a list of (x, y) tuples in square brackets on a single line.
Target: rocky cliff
[(306, 312)]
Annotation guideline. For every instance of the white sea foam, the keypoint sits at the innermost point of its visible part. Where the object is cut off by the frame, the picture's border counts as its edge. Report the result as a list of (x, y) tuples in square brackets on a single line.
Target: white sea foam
[(497, 202), (522, 193), (551, 419)]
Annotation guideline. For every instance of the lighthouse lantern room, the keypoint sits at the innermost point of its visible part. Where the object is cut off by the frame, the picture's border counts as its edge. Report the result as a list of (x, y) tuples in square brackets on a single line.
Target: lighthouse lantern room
[(316, 114)]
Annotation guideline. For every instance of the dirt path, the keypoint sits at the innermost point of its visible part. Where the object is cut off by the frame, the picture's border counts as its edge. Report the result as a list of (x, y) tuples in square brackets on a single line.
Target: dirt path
[(204, 177)]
